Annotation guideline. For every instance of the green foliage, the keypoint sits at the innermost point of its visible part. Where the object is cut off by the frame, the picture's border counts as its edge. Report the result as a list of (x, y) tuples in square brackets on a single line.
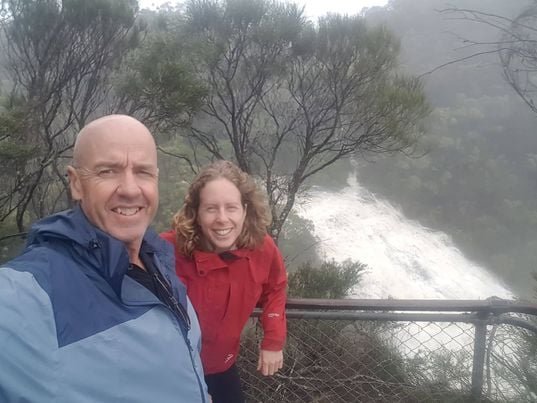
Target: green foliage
[(84, 13), (11, 241), (476, 177), (174, 177), (59, 57), (297, 243), (14, 151), (157, 84), (11, 152), (329, 280), (281, 96)]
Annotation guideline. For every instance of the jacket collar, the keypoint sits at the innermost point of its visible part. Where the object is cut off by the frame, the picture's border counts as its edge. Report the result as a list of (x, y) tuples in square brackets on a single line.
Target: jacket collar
[(207, 261), (95, 249)]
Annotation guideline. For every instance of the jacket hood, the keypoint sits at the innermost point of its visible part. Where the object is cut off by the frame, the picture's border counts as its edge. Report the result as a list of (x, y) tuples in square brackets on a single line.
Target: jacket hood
[(96, 250)]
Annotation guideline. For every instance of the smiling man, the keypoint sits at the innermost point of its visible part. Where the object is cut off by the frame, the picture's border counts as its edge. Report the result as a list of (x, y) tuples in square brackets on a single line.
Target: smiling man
[(92, 311), (115, 177)]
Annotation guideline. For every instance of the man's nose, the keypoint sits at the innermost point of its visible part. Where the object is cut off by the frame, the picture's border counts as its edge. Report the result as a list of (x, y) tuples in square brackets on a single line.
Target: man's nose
[(128, 185)]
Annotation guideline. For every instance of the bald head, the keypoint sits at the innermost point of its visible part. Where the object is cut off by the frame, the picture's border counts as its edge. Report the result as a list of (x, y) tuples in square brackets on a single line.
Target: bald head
[(116, 128)]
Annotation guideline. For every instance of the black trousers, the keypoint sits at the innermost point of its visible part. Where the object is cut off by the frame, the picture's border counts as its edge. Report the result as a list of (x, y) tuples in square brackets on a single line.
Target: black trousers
[(225, 387)]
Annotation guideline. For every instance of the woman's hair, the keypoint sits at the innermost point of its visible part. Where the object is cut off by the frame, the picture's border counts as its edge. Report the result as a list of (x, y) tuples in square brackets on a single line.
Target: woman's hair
[(188, 232)]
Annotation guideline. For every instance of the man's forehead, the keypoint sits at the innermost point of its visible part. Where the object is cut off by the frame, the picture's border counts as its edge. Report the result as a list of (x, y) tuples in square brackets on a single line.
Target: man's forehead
[(126, 154), (104, 148), (120, 140), (113, 134), (108, 144)]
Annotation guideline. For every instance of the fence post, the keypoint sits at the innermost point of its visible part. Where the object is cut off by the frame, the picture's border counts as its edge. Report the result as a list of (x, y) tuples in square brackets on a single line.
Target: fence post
[(480, 345)]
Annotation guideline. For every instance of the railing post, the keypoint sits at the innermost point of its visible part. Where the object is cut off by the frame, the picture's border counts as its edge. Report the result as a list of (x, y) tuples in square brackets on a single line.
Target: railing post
[(480, 345)]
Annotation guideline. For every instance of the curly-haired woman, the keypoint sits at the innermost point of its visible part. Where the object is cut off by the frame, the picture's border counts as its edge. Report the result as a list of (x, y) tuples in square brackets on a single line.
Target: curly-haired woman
[(230, 264)]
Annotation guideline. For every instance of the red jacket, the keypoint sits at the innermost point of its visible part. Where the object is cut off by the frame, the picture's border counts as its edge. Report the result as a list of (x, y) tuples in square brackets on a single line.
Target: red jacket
[(224, 290)]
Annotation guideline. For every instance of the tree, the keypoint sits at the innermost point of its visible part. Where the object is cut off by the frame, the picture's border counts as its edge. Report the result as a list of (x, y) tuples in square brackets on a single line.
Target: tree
[(515, 45), (155, 82), (60, 56), (288, 98), (518, 55)]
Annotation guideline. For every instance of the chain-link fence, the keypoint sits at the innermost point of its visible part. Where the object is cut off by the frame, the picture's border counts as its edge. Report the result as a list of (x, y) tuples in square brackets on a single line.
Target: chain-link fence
[(363, 351)]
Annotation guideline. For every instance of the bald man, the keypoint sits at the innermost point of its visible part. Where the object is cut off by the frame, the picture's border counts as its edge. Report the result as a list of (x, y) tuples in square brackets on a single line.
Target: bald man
[(92, 311)]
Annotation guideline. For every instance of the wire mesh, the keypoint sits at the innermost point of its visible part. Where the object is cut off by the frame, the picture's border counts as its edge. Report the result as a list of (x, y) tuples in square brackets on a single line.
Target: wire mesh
[(391, 361)]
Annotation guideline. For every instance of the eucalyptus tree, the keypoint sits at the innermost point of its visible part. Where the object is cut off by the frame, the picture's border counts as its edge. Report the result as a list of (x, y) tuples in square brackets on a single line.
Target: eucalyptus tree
[(340, 96), (60, 55), (155, 82), (286, 98)]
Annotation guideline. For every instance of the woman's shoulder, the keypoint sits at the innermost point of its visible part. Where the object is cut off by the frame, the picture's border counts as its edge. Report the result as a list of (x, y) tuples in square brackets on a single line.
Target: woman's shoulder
[(169, 236), (269, 241), (267, 246)]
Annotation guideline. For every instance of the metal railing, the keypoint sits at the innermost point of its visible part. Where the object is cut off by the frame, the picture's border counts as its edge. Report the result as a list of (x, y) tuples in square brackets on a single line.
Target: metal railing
[(400, 351)]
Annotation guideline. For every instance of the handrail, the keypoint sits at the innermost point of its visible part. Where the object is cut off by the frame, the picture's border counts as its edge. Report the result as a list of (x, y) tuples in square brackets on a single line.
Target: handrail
[(492, 305), (380, 316)]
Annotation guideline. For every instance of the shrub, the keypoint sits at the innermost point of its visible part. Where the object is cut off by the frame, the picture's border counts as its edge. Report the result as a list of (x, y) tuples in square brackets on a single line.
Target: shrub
[(330, 280)]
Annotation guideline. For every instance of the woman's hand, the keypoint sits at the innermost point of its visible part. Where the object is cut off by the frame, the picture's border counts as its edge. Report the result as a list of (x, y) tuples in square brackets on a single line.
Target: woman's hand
[(270, 362)]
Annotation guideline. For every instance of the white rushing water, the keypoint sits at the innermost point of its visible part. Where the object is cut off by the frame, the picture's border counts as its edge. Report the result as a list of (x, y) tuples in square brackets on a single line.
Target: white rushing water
[(404, 259)]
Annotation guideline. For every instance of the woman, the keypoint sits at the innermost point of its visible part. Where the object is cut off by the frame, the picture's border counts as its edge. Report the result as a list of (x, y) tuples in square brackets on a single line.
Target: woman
[(229, 264)]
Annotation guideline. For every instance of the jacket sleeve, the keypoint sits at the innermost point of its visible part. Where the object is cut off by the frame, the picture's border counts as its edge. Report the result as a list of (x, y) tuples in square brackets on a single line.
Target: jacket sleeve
[(27, 339), (273, 300)]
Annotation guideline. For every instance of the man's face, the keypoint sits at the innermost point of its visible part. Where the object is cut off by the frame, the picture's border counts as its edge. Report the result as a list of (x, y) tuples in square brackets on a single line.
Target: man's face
[(116, 181)]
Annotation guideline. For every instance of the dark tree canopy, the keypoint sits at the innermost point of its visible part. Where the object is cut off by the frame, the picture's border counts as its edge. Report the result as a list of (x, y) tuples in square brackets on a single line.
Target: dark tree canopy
[(287, 98), (59, 57), (68, 62), (253, 81)]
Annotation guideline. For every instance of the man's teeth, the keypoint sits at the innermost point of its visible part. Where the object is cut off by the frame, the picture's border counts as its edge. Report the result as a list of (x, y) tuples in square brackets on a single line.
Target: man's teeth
[(127, 210), (222, 232)]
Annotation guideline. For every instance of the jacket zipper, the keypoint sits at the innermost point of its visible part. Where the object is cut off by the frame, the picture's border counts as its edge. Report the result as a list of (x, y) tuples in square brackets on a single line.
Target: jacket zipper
[(183, 315)]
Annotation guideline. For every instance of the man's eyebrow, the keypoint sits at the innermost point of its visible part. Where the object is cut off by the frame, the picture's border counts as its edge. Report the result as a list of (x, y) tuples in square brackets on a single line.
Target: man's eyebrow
[(107, 164), (148, 167), (115, 164)]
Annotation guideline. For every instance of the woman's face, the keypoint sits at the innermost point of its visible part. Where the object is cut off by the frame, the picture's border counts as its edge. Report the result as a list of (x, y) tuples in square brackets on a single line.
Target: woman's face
[(221, 214)]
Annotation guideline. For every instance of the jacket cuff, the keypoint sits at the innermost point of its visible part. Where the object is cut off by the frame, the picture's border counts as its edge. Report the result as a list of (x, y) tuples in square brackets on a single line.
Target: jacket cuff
[(272, 344)]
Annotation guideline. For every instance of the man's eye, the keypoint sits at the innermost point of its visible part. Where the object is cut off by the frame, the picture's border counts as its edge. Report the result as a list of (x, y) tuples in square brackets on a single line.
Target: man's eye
[(106, 172), (149, 174)]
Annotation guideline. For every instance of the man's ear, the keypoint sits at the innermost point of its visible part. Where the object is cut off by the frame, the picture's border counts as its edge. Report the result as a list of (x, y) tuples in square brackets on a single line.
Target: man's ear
[(74, 183)]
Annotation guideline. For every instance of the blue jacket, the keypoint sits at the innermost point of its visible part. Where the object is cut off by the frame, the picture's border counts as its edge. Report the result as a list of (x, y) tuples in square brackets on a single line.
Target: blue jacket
[(75, 328)]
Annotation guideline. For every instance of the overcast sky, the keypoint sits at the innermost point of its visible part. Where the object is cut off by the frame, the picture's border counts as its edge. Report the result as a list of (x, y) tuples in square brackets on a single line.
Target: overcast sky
[(314, 8)]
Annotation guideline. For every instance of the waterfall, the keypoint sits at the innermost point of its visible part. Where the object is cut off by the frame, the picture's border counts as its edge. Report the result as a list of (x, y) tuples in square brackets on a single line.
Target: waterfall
[(404, 259)]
